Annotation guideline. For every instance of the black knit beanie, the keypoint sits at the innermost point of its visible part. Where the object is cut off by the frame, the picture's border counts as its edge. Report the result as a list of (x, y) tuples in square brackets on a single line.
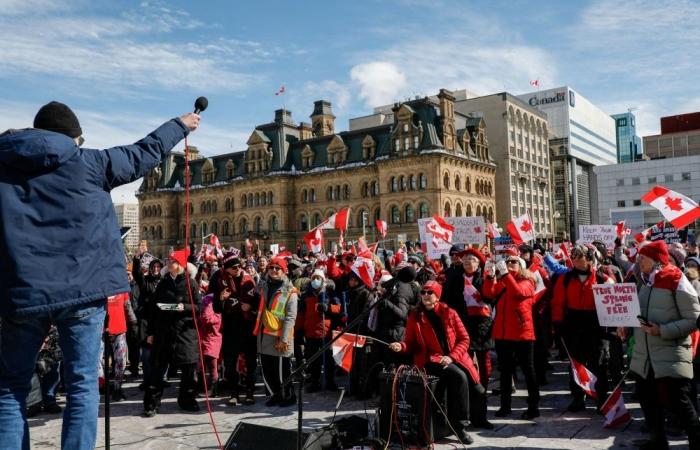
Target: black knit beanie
[(59, 118)]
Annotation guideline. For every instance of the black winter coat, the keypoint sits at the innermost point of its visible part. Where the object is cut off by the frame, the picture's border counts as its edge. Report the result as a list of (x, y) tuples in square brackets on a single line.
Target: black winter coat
[(147, 287), (174, 333), (358, 301), (393, 313)]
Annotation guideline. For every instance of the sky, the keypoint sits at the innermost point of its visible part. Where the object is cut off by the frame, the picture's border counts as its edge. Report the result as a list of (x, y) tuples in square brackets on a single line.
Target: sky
[(125, 67)]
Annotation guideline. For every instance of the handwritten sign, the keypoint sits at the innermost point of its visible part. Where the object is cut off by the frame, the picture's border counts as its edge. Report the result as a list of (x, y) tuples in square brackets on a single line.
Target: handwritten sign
[(468, 230), (275, 248), (502, 244), (604, 233), (668, 234), (617, 305)]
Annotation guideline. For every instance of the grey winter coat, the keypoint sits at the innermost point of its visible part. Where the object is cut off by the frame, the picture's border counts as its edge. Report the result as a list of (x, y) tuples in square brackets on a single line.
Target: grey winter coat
[(266, 342), (670, 353)]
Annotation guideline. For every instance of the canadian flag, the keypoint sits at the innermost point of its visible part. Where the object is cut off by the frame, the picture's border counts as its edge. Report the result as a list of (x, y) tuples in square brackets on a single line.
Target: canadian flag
[(280, 91), (540, 288), (314, 240), (676, 208), (341, 241), (364, 268), (641, 236), (439, 230), (344, 347), (373, 248), (520, 229), (535, 83), (214, 240), (493, 231), (659, 225), (614, 409), (381, 227), (621, 231), (583, 377), (338, 221), (364, 250)]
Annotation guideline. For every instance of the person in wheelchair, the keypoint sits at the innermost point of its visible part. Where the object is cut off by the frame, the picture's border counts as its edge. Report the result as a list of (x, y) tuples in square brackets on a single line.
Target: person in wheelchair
[(436, 337)]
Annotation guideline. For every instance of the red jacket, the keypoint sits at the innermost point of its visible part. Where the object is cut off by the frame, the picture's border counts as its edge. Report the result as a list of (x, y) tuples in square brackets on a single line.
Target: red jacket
[(576, 294), (116, 309), (422, 341), (515, 297), (314, 324)]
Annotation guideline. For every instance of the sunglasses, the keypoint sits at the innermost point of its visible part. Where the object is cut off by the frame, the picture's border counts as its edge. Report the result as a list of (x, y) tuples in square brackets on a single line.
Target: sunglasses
[(275, 268), (236, 267), (427, 292), (512, 261)]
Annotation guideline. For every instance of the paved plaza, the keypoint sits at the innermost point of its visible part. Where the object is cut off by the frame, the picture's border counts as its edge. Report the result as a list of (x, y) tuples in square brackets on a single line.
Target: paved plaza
[(173, 429)]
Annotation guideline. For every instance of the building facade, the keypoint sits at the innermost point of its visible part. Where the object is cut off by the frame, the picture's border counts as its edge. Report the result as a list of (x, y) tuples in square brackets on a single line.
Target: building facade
[(629, 145), (680, 136), (519, 141), (128, 216), (581, 136), (619, 188), (427, 159)]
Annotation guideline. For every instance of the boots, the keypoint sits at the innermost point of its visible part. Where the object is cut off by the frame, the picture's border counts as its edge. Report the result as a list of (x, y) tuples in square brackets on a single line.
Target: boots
[(461, 432)]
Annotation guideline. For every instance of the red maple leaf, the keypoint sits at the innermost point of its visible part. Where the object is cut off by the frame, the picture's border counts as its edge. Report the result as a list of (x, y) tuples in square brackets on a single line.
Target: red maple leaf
[(526, 226), (674, 204), (477, 230)]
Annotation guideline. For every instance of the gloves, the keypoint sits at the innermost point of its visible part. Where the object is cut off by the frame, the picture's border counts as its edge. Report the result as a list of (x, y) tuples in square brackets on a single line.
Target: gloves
[(489, 269), (501, 268), (321, 308)]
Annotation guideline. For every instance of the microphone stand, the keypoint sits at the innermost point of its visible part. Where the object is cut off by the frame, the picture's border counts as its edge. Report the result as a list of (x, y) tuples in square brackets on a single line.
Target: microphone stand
[(297, 373), (107, 353)]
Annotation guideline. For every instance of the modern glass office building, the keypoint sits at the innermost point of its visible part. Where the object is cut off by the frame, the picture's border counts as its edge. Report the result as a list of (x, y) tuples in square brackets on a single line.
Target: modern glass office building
[(629, 145)]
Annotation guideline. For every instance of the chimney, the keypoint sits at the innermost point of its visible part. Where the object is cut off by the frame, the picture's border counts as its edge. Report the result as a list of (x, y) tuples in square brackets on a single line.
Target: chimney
[(283, 117), (305, 131), (447, 113)]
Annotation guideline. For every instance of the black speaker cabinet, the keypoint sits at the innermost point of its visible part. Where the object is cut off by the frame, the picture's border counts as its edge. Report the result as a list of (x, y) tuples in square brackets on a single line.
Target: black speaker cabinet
[(418, 418), (248, 436)]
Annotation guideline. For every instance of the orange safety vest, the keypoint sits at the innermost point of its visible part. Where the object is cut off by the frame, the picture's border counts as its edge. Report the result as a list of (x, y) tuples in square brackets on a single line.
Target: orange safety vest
[(273, 317)]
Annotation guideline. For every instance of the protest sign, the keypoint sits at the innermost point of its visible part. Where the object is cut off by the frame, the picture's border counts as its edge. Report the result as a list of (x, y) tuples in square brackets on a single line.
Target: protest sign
[(668, 234), (604, 233), (617, 304), (274, 248), (467, 230), (503, 244)]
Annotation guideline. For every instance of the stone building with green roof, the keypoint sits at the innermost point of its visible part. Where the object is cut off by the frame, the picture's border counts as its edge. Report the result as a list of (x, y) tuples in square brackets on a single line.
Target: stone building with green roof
[(422, 159)]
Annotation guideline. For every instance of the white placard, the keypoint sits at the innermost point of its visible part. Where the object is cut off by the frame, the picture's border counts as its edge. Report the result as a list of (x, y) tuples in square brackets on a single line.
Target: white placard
[(617, 304), (468, 230), (604, 233), (275, 248)]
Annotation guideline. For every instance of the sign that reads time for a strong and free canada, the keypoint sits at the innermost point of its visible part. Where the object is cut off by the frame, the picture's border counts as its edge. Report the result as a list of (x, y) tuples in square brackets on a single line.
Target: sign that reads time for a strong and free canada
[(617, 305)]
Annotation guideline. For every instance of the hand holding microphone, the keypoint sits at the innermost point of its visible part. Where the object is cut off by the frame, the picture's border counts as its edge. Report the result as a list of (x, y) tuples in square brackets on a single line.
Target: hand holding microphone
[(191, 120)]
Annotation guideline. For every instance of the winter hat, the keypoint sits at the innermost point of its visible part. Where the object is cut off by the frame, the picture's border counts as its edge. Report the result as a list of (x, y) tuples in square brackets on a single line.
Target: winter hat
[(456, 248), (414, 258), (525, 248), (231, 259), (318, 273), (693, 259), (279, 261), (407, 274), (386, 277), (58, 118), (474, 252), (433, 286), (677, 253), (657, 250)]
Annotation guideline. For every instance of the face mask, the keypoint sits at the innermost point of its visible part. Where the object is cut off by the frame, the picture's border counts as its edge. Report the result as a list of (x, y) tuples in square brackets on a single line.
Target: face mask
[(316, 283)]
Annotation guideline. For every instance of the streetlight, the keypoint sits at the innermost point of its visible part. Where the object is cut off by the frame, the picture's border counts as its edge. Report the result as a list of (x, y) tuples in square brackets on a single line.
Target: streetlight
[(364, 220)]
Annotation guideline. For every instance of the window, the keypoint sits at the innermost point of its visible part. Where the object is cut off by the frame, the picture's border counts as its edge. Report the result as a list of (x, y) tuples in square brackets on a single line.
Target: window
[(512, 150), (668, 178), (402, 183), (685, 176), (412, 182), (514, 196), (313, 195), (317, 219), (423, 210), (204, 229), (652, 180), (397, 145), (395, 214), (458, 183), (215, 228), (273, 223), (375, 188), (512, 136), (446, 181), (410, 215), (243, 226), (394, 184), (269, 198), (637, 203), (620, 203), (416, 142), (621, 182), (572, 99), (406, 143), (346, 192), (635, 181), (622, 122), (422, 181), (225, 227), (365, 189), (405, 128), (258, 224), (303, 223)]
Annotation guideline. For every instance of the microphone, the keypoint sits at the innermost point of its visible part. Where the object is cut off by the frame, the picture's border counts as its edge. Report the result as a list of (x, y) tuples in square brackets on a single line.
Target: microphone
[(200, 105)]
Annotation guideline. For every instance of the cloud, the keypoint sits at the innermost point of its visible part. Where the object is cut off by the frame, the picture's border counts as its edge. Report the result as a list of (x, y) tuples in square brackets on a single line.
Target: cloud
[(20, 7), (135, 50), (453, 63), (379, 82)]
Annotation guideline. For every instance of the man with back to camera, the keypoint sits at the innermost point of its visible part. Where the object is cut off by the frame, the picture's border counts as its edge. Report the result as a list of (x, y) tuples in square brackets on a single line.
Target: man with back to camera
[(61, 257)]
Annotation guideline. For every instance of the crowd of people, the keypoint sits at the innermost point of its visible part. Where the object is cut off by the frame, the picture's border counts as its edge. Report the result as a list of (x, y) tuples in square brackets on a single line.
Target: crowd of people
[(449, 317)]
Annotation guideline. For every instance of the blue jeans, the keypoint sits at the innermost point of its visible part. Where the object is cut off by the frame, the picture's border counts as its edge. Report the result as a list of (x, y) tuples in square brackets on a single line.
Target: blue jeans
[(80, 332), (49, 383)]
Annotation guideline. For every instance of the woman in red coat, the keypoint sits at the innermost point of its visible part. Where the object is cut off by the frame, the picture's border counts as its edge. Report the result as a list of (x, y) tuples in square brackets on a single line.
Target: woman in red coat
[(513, 329), (440, 343)]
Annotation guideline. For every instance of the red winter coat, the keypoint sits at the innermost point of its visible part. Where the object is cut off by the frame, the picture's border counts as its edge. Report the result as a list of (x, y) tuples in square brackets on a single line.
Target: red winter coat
[(117, 309), (312, 323), (576, 294), (422, 341), (210, 328), (514, 297)]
